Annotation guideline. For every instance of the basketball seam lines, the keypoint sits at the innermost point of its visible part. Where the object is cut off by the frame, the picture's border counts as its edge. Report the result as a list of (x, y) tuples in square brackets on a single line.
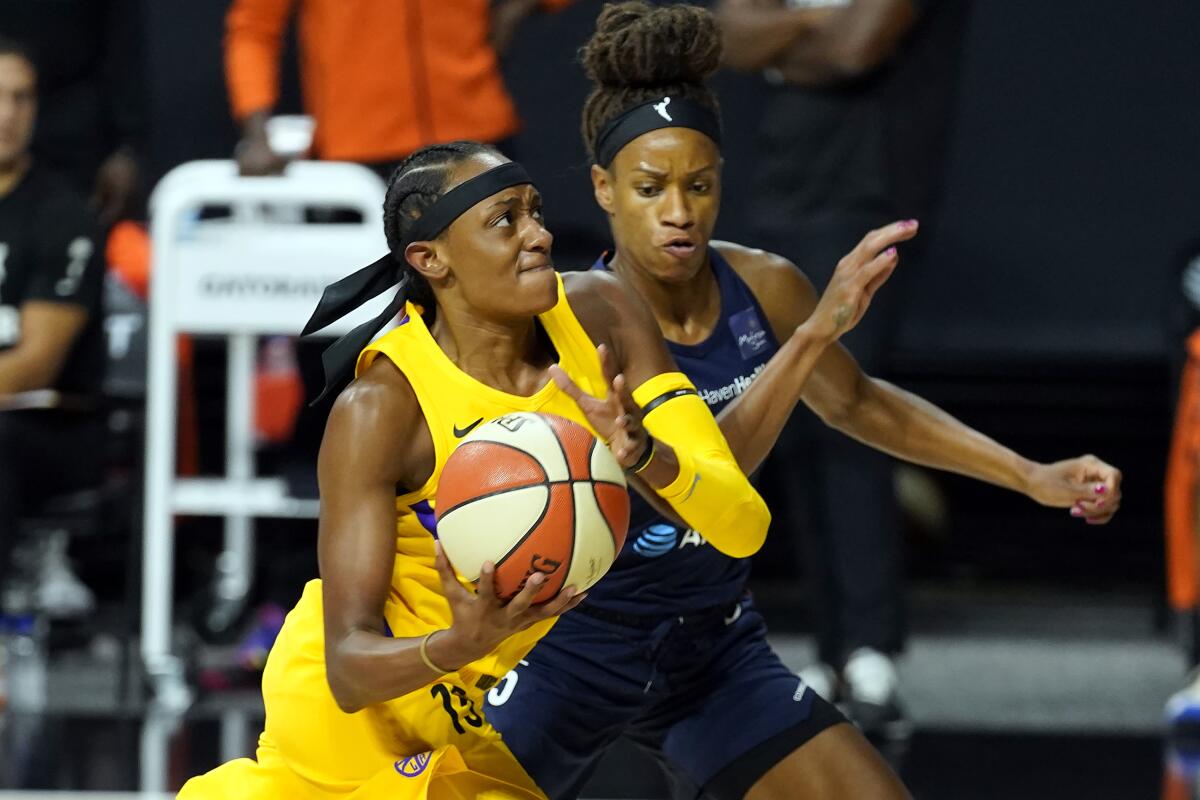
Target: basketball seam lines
[(547, 483), (545, 477), (600, 506), (507, 446), (546, 509), (517, 545), (603, 516), (562, 448), (570, 563)]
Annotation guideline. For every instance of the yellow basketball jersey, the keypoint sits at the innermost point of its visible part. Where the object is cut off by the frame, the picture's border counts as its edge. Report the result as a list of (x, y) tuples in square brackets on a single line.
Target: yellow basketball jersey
[(453, 404), (432, 742)]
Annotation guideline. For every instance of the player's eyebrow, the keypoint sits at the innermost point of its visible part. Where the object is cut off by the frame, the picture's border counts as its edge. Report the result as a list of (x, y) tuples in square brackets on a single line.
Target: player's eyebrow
[(657, 173)]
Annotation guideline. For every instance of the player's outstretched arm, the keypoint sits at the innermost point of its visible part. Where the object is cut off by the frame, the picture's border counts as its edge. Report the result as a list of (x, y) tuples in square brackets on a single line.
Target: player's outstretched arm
[(898, 422), (753, 421), (359, 468), (656, 424)]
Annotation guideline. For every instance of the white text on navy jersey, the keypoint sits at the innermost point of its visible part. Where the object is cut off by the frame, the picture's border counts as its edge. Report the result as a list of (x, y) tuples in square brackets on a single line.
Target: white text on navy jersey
[(732, 389)]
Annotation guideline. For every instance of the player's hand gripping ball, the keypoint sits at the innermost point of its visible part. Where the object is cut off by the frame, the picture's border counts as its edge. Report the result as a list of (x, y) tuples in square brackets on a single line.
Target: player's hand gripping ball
[(532, 493)]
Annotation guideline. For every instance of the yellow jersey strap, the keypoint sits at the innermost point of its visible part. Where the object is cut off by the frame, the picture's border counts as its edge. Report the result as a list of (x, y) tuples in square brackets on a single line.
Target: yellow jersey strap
[(576, 350)]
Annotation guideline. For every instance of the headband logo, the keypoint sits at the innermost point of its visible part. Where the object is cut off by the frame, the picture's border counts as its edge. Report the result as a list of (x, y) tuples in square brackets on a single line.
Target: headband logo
[(665, 112), (661, 108)]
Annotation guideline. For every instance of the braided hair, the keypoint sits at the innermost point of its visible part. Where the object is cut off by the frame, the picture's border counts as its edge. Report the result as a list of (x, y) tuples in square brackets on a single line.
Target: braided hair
[(415, 185), (640, 53)]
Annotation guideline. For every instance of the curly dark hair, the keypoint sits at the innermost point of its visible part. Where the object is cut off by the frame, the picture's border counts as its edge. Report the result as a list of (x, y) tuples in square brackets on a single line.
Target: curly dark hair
[(639, 53), (415, 185)]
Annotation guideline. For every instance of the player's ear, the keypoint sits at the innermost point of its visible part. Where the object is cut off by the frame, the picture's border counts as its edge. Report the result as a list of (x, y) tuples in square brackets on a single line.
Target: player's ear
[(602, 187), (424, 258)]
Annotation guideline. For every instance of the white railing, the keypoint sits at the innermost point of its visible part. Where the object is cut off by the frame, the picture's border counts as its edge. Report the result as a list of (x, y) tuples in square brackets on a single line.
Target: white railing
[(257, 271)]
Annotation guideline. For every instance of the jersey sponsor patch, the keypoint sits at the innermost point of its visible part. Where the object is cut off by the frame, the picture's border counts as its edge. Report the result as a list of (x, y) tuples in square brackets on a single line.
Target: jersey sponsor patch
[(659, 539), (656, 540), (723, 394), (412, 766), (749, 333)]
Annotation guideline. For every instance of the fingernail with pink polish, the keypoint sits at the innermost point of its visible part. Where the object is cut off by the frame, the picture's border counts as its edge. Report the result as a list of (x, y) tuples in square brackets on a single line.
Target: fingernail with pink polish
[(891, 251), (1076, 511), (1100, 488)]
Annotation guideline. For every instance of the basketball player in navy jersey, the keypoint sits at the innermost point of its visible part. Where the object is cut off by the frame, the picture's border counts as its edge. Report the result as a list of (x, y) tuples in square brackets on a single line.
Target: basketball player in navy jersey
[(668, 649)]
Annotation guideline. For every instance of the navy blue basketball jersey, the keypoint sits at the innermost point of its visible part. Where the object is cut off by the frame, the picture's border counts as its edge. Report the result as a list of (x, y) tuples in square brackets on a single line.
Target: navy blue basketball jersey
[(663, 569)]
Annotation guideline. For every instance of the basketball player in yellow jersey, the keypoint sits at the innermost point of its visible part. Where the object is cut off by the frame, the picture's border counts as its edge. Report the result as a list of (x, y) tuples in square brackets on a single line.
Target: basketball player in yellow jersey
[(374, 687)]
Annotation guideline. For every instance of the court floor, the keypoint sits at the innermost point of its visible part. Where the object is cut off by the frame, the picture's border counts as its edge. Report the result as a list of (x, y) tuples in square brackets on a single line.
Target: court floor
[(935, 766), (1023, 704)]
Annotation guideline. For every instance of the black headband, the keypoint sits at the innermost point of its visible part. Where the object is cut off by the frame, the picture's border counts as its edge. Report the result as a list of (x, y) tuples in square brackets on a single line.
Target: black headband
[(454, 203), (669, 112), (352, 291)]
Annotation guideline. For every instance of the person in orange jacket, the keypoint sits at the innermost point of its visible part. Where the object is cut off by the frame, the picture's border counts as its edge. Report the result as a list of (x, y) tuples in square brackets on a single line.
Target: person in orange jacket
[(381, 78), (1181, 491)]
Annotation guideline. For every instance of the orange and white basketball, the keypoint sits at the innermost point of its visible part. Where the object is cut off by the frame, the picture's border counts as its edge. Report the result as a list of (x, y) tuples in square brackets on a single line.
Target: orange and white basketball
[(532, 493)]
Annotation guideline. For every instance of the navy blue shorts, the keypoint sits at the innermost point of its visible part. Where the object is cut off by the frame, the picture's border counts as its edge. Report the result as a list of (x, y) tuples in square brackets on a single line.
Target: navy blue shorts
[(706, 695)]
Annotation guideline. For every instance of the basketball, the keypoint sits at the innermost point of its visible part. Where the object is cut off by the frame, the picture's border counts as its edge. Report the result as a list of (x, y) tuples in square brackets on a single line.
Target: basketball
[(532, 493)]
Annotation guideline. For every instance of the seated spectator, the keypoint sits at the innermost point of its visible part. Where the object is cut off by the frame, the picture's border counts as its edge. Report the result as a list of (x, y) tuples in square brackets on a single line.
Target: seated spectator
[(92, 109), (51, 278)]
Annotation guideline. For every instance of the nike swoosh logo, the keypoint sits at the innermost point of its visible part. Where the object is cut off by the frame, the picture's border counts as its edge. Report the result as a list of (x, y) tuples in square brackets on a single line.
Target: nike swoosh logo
[(461, 432)]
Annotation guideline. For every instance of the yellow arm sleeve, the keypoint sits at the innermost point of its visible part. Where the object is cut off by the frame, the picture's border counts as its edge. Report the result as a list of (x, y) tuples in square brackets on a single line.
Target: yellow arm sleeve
[(711, 494)]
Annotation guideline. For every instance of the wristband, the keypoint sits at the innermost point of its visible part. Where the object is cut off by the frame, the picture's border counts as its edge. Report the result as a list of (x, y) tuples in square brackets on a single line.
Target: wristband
[(425, 654), (644, 459)]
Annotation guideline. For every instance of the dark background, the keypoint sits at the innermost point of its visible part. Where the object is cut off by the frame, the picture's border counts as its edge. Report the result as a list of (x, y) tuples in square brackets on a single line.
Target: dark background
[(1073, 190)]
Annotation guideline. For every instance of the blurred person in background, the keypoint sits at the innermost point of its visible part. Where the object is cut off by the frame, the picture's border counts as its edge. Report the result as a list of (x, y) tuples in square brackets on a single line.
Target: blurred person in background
[(51, 278), (1181, 512), (853, 135), (92, 102), (381, 79)]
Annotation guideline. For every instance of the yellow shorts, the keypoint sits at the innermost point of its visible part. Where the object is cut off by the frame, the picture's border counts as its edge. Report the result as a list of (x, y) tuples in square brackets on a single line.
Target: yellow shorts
[(431, 743)]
